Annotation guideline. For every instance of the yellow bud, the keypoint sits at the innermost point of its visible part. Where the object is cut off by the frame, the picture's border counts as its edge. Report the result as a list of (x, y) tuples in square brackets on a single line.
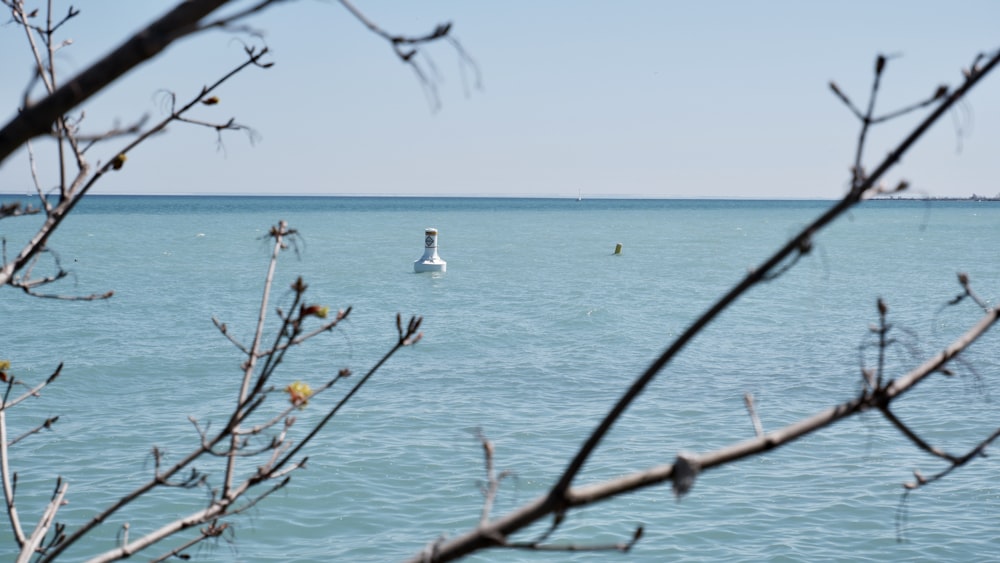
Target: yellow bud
[(299, 393)]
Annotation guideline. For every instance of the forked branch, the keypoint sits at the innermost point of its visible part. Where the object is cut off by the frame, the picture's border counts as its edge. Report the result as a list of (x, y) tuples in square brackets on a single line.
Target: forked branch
[(273, 455), (853, 197), (561, 496), (494, 533), (37, 119), (408, 47)]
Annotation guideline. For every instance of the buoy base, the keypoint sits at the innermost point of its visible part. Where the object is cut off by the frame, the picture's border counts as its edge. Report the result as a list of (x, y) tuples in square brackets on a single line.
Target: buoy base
[(438, 265)]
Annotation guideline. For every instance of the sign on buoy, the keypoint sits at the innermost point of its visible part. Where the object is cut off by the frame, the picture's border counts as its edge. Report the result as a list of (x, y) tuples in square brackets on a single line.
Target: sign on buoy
[(430, 261)]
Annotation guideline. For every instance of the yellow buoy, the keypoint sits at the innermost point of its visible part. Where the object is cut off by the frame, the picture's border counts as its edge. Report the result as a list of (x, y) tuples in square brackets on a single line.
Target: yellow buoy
[(618, 248)]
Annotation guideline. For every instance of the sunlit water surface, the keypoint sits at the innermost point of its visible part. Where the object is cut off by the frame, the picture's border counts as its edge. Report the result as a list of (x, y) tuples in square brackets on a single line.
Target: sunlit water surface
[(533, 332)]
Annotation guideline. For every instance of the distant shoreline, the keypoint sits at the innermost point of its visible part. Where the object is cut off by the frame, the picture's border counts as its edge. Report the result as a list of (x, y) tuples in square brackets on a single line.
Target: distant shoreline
[(455, 196), (970, 198), (602, 197), (974, 197)]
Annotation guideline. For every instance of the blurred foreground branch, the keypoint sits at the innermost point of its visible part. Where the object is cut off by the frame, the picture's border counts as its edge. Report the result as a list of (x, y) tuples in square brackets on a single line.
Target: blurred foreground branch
[(684, 470)]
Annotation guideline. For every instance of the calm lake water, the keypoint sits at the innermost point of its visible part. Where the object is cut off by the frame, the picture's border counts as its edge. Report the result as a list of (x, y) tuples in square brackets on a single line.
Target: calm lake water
[(530, 336)]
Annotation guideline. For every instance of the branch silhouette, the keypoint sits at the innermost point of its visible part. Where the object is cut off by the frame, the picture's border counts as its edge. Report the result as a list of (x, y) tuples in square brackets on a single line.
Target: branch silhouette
[(258, 443), (562, 496)]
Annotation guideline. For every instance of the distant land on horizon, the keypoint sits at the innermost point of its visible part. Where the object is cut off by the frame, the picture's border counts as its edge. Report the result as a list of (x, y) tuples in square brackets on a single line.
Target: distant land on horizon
[(973, 197)]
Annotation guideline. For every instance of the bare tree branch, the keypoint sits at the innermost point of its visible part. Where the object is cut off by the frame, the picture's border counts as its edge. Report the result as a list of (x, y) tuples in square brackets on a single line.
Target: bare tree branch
[(247, 434), (43, 426), (42, 528), (493, 479), (14, 209), (74, 194), (758, 430), (37, 119), (213, 530), (408, 47), (975, 452), (754, 277), (494, 533), (623, 547), (912, 436), (279, 233), (8, 482), (561, 496)]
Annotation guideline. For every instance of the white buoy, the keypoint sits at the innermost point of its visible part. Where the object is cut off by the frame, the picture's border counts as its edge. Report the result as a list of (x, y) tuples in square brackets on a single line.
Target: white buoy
[(430, 261)]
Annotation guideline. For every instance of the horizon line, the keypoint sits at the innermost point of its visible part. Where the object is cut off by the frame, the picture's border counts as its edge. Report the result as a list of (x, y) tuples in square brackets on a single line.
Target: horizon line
[(445, 196), (972, 197)]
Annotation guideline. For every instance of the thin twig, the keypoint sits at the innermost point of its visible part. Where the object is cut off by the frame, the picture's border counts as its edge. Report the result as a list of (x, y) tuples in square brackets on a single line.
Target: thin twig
[(492, 534), (558, 499), (43, 426), (754, 277), (406, 339), (866, 121), (758, 429), (912, 436), (142, 46), (44, 523), (8, 483)]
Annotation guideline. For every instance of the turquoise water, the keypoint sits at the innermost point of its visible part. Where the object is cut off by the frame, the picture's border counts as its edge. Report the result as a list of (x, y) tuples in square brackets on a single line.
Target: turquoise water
[(530, 336)]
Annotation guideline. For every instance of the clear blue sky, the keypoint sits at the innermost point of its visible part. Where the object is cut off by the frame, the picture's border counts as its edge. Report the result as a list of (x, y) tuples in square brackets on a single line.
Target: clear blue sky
[(637, 98)]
